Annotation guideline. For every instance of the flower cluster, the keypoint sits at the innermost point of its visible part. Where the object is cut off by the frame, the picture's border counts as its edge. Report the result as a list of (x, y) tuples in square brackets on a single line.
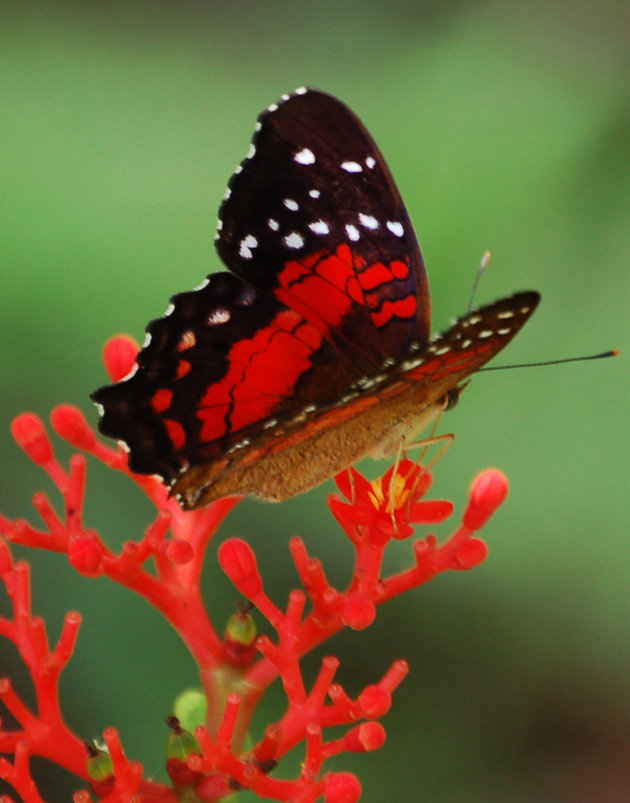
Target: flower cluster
[(208, 756)]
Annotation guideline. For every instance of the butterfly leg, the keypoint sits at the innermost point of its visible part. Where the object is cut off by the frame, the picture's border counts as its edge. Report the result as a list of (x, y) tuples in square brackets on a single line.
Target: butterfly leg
[(401, 452), (446, 440)]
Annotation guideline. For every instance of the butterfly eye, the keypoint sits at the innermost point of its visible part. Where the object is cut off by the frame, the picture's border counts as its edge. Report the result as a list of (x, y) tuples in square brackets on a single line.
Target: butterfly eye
[(450, 399)]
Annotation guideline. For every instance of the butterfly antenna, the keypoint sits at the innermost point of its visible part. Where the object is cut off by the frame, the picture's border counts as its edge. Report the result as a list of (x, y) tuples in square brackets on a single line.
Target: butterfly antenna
[(603, 355), (482, 266)]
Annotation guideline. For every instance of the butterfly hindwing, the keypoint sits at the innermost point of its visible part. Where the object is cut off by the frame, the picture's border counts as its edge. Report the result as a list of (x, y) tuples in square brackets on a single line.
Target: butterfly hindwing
[(226, 364)]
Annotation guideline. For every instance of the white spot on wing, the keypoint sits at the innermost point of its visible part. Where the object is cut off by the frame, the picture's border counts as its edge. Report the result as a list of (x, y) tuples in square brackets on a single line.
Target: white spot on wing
[(351, 167), (147, 340), (247, 243), (319, 227), (485, 333), (227, 193), (294, 240), (272, 107), (409, 365), (368, 221), (251, 151), (370, 162), (305, 157), (291, 205), (301, 90), (169, 310), (202, 284), (240, 445), (273, 224), (134, 369), (314, 193), (395, 227), (218, 316), (352, 232)]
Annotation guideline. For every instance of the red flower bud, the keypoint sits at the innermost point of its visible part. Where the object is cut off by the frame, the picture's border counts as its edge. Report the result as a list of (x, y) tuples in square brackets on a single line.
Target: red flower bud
[(471, 553), (342, 787), (374, 701), (238, 561), (358, 613), (70, 424), (488, 491), (85, 555), (119, 356), (29, 434), (365, 737)]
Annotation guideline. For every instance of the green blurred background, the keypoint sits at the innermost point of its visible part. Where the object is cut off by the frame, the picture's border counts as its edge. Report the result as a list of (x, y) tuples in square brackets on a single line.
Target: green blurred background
[(507, 126)]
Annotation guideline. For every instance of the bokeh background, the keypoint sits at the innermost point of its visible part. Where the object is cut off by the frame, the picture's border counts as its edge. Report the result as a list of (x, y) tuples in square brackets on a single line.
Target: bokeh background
[(507, 126)]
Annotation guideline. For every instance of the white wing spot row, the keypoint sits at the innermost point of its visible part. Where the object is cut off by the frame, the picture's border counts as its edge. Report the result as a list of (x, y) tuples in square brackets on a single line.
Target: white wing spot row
[(218, 316)]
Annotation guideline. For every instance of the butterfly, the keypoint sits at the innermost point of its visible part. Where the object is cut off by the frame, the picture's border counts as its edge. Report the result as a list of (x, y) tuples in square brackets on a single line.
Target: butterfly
[(315, 349)]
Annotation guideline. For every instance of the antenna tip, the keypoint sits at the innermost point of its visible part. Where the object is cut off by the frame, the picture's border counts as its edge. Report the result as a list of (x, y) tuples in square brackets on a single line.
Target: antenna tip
[(484, 260)]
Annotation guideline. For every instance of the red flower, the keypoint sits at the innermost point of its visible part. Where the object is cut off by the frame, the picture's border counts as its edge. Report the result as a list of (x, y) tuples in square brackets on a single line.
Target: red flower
[(390, 503)]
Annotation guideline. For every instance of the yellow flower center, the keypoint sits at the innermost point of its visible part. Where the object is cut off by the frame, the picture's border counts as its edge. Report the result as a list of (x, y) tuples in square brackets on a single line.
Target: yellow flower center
[(398, 492)]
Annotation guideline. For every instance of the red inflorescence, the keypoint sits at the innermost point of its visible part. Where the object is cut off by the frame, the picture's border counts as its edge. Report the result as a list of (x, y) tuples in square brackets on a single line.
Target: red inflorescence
[(235, 669)]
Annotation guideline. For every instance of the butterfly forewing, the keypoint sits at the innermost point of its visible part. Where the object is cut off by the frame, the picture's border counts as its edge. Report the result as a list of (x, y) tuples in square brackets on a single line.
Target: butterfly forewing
[(316, 201)]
